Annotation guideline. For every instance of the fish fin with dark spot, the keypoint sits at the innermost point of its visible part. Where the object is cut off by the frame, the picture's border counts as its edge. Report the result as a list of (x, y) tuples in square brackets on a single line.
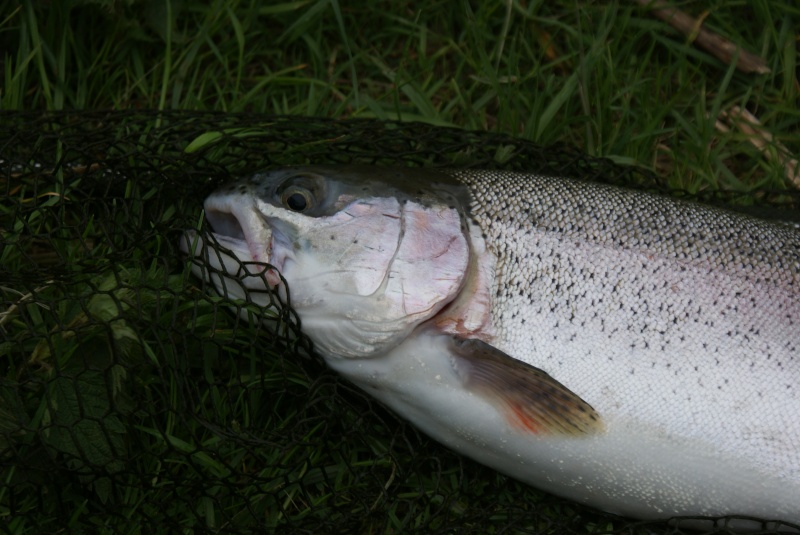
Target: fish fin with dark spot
[(529, 398)]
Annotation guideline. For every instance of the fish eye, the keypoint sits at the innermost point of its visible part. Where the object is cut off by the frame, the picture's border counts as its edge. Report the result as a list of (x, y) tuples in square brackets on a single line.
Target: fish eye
[(297, 199)]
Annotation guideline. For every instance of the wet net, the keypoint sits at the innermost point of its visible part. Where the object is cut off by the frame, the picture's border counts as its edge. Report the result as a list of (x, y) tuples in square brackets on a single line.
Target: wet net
[(133, 399)]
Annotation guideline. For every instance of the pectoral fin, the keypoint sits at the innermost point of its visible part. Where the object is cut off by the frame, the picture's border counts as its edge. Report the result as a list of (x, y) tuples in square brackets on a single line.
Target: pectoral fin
[(528, 397)]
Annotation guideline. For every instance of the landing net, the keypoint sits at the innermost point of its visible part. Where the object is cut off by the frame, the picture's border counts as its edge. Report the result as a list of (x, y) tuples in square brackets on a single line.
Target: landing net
[(133, 399)]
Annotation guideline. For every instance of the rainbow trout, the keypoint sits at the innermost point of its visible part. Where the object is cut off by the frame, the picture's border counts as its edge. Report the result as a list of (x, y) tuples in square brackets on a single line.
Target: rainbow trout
[(636, 353)]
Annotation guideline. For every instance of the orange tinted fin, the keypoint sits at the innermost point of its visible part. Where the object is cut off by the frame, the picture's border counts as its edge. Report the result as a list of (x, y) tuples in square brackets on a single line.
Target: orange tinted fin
[(528, 397)]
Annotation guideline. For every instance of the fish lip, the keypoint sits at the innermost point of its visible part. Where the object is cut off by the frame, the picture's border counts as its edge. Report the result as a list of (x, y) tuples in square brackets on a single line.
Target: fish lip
[(238, 224), (233, 222)]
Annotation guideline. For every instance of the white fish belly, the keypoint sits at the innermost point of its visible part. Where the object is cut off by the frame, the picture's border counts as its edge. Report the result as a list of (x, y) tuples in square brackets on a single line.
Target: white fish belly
[(636, 467)]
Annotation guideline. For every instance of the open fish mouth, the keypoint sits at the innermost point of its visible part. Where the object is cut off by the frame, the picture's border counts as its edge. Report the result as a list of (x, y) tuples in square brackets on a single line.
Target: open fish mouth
[(241, 226), (239, 248)]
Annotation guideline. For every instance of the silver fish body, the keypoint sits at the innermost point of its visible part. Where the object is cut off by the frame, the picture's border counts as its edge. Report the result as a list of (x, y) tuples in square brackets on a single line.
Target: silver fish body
[(632, 352)]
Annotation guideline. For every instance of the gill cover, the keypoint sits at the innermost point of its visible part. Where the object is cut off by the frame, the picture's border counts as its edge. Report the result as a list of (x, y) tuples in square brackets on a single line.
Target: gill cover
[(367, 257)]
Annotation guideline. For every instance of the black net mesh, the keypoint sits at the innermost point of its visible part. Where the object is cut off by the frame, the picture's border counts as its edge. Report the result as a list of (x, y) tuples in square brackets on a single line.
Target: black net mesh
[(132, 398)]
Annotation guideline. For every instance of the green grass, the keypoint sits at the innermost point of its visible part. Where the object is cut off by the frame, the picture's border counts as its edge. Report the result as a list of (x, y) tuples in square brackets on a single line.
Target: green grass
[(223, 409), (608, 79)]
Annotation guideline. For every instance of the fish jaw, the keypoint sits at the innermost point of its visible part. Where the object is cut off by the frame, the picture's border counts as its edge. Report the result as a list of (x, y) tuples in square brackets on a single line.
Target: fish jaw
[(236, 257), (239, 226)]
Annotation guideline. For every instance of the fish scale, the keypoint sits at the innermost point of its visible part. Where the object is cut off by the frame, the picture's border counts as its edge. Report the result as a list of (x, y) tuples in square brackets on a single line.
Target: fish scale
[(628, 351), (608, 268)]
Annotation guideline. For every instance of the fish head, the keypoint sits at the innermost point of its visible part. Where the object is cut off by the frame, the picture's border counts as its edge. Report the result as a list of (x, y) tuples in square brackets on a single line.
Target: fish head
[(365, 255)]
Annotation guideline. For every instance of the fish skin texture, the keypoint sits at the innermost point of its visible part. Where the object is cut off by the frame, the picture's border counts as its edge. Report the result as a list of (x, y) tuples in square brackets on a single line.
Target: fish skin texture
[(676, 326)]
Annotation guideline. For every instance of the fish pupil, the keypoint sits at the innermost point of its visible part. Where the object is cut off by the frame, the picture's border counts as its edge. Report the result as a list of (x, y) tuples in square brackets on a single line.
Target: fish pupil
[(297, 202)]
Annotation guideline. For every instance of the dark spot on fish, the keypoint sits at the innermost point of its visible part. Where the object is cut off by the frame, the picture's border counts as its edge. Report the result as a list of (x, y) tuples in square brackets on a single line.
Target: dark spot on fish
[(333, 237)]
